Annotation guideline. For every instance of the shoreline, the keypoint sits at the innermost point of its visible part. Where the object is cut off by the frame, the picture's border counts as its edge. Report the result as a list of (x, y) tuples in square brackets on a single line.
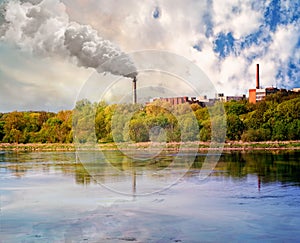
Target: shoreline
[(173, 146)]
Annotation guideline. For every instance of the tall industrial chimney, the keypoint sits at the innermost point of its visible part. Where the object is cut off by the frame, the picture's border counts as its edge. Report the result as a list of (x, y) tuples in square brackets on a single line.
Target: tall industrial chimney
[(134, 90), (257, 76)]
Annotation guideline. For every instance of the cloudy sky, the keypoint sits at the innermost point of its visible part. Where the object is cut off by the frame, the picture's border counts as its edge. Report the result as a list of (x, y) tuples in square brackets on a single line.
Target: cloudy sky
[(40, 69)]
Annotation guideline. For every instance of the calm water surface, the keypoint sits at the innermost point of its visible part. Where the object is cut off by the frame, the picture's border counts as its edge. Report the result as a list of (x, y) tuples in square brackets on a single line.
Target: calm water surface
[(49, 197)]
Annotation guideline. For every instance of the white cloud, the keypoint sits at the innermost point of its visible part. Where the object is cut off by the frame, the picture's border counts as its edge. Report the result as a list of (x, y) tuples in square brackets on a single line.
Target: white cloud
[(181, 25), (131, 24), (284, 41), (281, 50), (38, 84), (236, 16)]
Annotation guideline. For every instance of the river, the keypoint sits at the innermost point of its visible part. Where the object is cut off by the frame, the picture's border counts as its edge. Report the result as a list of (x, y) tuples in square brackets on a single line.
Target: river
[(52, 197)]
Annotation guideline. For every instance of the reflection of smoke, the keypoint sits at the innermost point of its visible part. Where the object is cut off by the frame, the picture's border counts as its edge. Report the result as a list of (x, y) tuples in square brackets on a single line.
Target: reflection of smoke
[(43, 27)]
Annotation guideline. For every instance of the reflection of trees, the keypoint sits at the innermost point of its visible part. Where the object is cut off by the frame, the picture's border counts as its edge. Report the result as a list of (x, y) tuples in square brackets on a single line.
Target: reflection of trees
[(231, 164), (280, 166), (123, 162), (81, 175), (235, 169), (268, 166), (289, 171), (20, 163), (17, 170)]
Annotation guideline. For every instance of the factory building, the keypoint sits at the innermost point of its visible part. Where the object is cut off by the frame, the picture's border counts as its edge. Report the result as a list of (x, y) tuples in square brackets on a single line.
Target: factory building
[(201, 100), (255, 95), (258, 94), (236, 98), (223, 98), (180, 100)]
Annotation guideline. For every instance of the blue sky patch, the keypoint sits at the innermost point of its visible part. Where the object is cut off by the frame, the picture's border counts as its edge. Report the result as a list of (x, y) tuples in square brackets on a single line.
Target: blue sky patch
[(224, 44), (156, 13)]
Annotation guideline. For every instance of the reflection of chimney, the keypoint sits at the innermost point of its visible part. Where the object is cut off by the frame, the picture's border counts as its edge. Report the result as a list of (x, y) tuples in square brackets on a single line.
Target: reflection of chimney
[(257, 76), (134, 90)]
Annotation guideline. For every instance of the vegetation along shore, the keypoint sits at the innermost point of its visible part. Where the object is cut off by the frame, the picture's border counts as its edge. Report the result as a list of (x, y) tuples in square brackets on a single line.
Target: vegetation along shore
[(273, 123), (202, 146)]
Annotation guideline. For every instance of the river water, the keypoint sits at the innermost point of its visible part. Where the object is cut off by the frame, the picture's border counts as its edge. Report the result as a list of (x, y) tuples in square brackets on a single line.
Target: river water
[(52, 197)]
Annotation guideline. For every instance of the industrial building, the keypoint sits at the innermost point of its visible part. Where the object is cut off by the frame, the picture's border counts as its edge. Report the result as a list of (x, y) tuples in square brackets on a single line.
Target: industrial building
[(236, 98), (255, 95), (202, 101), (258, 94), (180, 100), (223, 98)]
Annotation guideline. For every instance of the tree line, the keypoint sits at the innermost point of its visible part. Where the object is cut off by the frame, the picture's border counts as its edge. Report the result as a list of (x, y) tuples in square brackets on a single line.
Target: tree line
[(36, 127), (275, 118)]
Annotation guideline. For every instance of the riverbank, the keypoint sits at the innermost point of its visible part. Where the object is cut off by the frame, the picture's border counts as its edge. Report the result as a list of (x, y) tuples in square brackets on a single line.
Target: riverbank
[(202, 146)]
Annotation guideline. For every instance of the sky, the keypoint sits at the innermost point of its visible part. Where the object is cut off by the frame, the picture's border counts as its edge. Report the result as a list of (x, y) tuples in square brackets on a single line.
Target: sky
[(225, 39)]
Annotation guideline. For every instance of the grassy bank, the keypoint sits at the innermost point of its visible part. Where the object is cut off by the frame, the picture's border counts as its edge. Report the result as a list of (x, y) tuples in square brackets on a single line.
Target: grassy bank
[(270, 145), (266, 145), (37, 147)]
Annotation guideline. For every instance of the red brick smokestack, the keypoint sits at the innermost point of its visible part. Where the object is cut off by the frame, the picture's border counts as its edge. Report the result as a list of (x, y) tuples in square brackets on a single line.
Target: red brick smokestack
[(257, 76), (134, 90)]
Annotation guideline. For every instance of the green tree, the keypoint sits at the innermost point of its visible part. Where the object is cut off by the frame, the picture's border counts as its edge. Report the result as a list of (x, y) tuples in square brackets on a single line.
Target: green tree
[(2, 134), (84, 121), (218, 128), (293, 130), (100, 122), (138, 131), (205, 132), (15, 123), (279, 130), (235, 127), (235, 108)]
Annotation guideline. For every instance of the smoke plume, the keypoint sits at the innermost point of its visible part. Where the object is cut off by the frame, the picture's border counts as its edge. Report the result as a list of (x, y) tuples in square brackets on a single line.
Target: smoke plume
[(43, 27)]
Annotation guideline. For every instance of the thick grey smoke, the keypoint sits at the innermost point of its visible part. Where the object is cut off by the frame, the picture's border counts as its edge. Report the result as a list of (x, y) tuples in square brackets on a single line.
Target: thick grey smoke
[(43, 27)]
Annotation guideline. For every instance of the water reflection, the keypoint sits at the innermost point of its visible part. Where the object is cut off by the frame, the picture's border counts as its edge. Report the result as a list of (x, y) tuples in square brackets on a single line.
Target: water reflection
[(283, 167), (43, 200), (20, 164)]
